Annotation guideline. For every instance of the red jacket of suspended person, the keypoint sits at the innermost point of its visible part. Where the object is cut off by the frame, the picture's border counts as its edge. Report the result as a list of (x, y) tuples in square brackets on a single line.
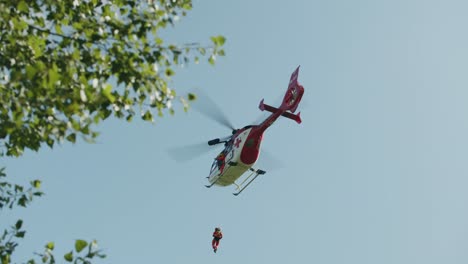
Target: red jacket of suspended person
[(217, 235)]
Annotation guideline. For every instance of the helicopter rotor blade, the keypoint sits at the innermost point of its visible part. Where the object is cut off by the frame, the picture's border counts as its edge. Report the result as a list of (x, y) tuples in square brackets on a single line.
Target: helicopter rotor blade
[(189, 152), (206, 106)]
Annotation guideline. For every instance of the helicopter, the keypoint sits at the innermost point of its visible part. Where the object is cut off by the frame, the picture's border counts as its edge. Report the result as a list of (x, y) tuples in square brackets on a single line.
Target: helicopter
[(242, 148)]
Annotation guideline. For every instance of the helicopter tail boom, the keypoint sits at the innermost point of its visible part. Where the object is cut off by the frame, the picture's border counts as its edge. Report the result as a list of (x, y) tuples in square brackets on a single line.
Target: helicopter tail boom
[(269, 108)]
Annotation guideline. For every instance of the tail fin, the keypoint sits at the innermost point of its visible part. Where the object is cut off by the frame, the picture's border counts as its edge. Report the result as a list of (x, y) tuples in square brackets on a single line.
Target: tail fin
[(269, 108), (294, 93), (290, 101)]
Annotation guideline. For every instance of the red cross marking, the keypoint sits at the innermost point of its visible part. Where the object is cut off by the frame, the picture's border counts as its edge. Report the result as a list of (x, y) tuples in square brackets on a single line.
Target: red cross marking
[(238, 141)]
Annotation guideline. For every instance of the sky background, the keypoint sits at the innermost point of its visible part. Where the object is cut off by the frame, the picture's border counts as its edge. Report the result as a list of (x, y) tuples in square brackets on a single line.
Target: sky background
[(376, 173)]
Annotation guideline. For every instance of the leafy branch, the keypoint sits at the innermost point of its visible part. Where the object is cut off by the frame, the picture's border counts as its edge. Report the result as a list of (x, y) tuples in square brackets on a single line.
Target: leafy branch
[(11, 194), (84, 252), (60, 62), (7, 243)]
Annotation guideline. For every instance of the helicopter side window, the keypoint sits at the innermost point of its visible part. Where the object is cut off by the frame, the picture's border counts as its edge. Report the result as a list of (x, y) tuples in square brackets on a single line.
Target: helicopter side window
[(214, 166), (228, 148)]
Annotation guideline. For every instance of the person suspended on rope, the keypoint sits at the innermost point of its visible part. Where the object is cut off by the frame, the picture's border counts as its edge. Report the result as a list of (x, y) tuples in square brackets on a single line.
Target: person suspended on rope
[(217, 236)]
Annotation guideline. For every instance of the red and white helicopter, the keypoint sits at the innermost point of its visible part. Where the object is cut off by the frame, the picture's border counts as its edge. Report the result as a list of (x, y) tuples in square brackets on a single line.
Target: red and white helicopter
[(242, 148)]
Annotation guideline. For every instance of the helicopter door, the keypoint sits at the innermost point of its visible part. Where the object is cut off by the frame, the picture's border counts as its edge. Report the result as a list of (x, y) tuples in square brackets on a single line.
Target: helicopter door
[(214, 167)]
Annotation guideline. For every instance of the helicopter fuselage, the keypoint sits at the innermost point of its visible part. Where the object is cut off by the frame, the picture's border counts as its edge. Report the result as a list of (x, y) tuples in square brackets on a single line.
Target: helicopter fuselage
[(240, 154), (242, 149)]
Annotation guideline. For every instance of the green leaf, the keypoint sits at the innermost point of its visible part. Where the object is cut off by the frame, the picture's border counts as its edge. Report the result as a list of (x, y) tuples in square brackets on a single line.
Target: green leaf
[(107, 93), (58, 29), (18, 188), (212, 60), (192, 97), (187, 5), (80, 244), (30, 71), (20, 234), (50, 245), (202, 50), (50, 142), (78, 26), (147, 116), (18, 224), (5, 258), (36, 184), (69, 256), (19, 24), (218, 40), (54, 76), (72, 137), (169, 72), (129, 118), (22, 201), (23, 7), (38, 194)]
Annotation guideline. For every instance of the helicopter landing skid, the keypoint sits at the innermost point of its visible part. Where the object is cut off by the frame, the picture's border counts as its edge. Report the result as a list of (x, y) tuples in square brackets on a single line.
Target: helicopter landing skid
[(255, 174), (211, 185), (219, 177)]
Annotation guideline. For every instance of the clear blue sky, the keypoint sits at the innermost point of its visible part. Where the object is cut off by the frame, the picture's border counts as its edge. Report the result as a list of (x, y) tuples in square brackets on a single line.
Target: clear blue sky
[(376, 173)]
